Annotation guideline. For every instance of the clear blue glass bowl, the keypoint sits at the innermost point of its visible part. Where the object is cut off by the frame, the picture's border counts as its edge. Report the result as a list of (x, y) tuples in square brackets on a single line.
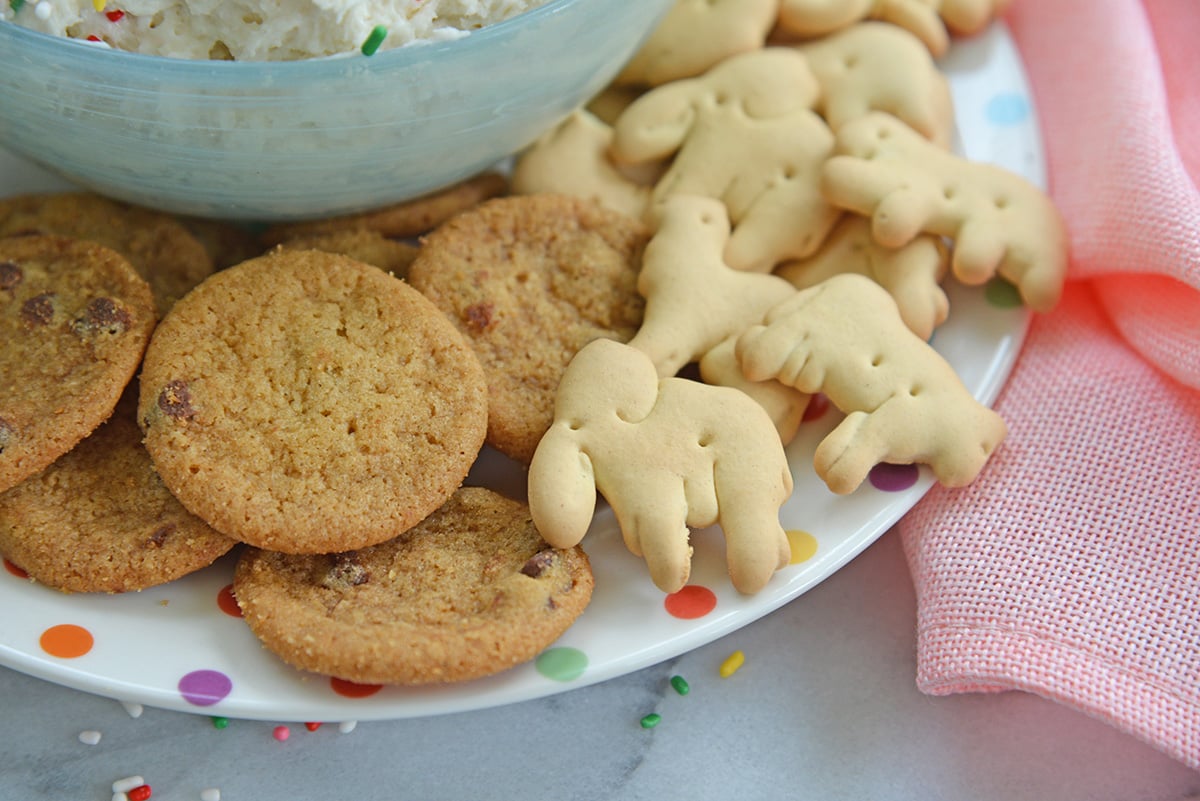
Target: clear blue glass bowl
[(276, 141)]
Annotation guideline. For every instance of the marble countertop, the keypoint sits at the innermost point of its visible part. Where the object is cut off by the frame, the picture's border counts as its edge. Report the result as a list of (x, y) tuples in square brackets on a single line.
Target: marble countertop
[(824, 707)]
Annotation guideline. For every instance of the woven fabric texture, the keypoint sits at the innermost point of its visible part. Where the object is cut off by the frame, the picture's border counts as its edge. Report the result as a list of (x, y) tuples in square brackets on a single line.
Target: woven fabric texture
[(1071, 567)]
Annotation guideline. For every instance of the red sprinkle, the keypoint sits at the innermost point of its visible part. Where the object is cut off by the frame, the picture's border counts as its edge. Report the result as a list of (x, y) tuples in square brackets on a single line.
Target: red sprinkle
[(281, 733), (93, 37), (140, 793), (312, 726), (114, 16)]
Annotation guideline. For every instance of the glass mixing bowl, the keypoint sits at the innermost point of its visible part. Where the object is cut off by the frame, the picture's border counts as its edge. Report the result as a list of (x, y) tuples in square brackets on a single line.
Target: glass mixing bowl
[(273, 141)]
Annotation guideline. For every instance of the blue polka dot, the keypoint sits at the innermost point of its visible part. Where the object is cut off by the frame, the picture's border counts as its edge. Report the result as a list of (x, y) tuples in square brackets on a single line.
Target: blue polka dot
[(1007, 109)]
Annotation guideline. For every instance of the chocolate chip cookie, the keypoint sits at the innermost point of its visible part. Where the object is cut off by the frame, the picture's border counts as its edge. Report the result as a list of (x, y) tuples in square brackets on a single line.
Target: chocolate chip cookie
[(159, 247), (470, 591), (529, 280), (74, 321), (306, 402), (100, 520)]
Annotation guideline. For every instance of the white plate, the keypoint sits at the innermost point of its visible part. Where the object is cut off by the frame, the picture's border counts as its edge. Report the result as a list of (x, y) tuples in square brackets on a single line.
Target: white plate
[(173, 647)]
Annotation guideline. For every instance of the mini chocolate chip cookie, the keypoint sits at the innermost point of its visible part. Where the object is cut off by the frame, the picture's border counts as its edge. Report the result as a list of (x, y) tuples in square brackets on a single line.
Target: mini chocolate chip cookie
[(471, 591), (306, 402), (74, 321), (529, 280), (100, 520), (158, 246), (400, 220)]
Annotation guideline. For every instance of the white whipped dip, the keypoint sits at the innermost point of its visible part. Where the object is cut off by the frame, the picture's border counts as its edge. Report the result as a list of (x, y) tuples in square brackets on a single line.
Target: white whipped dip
[(259, 30)]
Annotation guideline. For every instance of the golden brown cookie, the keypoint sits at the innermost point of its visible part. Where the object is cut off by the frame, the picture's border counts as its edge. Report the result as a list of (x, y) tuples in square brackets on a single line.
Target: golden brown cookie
[(158, 246), (74, 321), (306, 402), (470, 591), (100, 520), (529, 280), (400, 220), (390, 255)]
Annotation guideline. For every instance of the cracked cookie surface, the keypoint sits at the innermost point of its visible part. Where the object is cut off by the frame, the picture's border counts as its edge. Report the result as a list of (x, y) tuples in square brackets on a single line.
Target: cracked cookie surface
[(470, 591), (529, 280), (307, 402)]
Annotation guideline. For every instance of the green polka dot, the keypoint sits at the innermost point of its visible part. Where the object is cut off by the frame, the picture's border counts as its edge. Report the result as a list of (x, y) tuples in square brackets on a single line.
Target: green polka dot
[(561, 664), (1002, 294)]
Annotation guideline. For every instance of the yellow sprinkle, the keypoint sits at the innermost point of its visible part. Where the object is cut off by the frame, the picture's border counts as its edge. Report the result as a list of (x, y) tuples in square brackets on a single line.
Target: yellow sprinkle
[(732, 663), (98, 4)]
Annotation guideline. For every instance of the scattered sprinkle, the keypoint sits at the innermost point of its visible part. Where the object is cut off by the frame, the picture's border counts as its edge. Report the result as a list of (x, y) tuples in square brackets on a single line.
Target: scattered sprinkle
[(374, 40), (98, 4), (135, 710), (220, 723), (281, 733), (89, 737), (15, 5), (43, 10), (347, 726), (651, 720), (680, 685), (312, 726), (114, 16), (140, 793), (127, 784), (210, 794), (732, 663)]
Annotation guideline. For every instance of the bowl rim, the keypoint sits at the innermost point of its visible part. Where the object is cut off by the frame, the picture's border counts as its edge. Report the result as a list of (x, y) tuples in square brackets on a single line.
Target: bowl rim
[(411, 53)]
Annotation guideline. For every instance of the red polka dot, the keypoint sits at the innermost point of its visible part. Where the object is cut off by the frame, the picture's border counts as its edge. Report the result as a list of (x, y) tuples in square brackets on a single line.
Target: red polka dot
[(66, 641), (353, 690), (228, 602), (16, 571), (817, 406), (691, 602)]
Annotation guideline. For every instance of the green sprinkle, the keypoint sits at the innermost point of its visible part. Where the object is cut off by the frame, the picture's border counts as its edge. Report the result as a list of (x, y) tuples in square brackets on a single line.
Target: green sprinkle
[(220, 723), (680, 684), (15, 5), (651, 720), (374, 40)]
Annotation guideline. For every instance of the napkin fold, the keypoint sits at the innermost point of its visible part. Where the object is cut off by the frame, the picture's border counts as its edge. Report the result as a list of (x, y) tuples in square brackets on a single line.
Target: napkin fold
[(1071, 567)]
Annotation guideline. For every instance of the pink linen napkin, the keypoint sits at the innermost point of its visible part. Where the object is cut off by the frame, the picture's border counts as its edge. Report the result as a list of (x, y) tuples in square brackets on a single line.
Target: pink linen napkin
[(1071, 567)]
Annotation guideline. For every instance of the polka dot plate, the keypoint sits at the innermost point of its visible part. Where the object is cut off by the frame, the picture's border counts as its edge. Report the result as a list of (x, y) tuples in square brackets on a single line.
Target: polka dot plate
[(182, 646)]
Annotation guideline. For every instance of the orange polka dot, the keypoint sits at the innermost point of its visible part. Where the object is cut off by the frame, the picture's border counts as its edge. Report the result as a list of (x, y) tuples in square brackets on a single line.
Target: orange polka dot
[(351, 689), (228, 602), (804, 546), (66, 641), (16, 571), (691, 602)]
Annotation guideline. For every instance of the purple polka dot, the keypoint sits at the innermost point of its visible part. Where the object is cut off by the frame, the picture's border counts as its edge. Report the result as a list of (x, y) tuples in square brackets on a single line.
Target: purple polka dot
[(204, 687), (893, 477)]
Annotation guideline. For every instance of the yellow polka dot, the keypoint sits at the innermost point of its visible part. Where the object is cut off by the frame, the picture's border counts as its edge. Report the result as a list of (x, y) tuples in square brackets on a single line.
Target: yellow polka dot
[(804, 546)]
